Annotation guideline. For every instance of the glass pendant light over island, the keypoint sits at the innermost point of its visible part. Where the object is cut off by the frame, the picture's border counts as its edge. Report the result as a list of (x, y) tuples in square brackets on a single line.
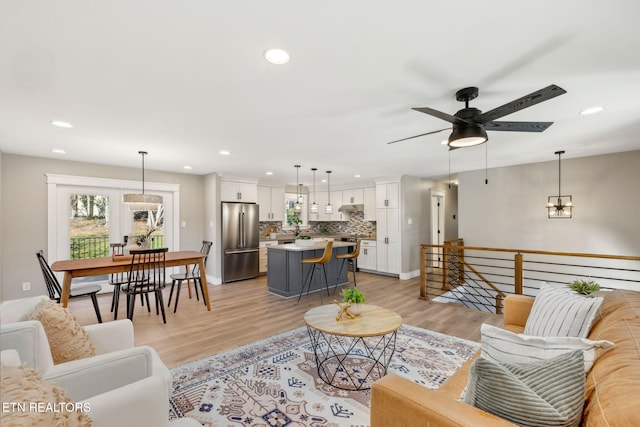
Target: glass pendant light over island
[(328, 209), (314, 206), (297, 207)]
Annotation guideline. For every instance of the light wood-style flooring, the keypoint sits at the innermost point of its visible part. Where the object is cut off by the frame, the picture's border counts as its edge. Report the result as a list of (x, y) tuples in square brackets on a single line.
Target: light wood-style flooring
[(243, 312)]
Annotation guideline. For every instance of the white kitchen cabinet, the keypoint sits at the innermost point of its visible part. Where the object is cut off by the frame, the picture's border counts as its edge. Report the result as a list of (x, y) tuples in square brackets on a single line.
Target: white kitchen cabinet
[(369, 203), (263, 264), (271, 201), (354, 196), (367, 259), (234, 191), (388, 241), (336, 202), (388, 195)]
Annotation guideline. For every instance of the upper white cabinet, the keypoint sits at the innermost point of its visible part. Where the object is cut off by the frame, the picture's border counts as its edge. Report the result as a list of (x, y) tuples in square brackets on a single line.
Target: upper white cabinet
[(336, 202), (369, 203), (238, 191), (271, 201), (353, 197), (388, 195)]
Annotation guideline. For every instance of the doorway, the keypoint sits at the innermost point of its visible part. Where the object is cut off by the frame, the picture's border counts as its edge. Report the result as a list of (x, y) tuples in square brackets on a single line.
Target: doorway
[(86, 214), (437, 227)]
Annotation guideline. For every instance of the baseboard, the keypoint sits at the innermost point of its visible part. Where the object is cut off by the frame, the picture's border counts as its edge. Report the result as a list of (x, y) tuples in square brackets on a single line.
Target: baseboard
[(410, 275)]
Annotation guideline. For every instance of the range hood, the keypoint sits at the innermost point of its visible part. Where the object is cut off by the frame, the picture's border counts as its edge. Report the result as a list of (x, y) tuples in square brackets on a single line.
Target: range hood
[(351, 208)]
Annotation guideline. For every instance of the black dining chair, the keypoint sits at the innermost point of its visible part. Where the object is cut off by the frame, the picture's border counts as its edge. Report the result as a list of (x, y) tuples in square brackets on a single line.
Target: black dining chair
[(146, 275), (77, 291), (117, 279), (188, 276)]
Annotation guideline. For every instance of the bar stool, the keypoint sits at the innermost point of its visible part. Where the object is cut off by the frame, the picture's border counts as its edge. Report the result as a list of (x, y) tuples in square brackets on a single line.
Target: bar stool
[(346, 259), (322, 261)]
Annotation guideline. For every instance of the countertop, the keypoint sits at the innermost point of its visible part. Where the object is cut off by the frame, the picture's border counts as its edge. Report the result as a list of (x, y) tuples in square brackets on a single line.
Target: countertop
[(337, 236), (313, 247)]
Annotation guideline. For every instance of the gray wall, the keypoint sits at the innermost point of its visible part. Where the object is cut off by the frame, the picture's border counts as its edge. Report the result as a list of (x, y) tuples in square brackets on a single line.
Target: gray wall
[(510, 211), (415, 207), (24, 213)]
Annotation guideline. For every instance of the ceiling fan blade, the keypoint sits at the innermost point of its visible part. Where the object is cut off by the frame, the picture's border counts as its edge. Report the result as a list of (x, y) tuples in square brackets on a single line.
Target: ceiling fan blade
[(517, 126), (422, 134), (534, 98), (439, 114)]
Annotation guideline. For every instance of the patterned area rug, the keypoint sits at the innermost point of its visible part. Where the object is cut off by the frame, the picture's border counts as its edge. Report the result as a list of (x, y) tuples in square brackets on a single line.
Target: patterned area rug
[(274, 382)]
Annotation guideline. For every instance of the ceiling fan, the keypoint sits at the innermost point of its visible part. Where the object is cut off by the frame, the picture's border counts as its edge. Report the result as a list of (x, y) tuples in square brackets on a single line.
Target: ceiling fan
[(470, 124)]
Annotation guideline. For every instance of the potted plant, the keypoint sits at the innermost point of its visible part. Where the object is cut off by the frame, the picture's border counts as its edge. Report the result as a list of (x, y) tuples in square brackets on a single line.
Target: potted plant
[(355, 297), (584, 287)]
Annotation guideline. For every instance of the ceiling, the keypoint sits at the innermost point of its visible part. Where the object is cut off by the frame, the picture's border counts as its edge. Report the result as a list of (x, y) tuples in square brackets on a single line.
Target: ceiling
[(184, 80)]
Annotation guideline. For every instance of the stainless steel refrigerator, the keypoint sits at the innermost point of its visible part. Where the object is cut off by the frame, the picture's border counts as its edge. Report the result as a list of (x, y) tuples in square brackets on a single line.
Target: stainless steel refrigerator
[(240, 241)]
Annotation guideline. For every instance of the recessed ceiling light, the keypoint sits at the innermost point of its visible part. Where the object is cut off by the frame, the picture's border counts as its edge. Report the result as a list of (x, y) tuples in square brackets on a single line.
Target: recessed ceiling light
[(277, 56), (187, 167), (58, 151), (444, 141), (323, 180), (269, 173), (356, 176), (61, 124), (591, 110), (225, 152)]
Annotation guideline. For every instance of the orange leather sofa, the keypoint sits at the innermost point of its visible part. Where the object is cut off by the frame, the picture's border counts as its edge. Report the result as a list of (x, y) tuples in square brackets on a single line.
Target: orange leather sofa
[(613, 384)]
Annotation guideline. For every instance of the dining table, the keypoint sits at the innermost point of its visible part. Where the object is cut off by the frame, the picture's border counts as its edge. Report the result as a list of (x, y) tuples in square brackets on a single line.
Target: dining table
[(108, 265)]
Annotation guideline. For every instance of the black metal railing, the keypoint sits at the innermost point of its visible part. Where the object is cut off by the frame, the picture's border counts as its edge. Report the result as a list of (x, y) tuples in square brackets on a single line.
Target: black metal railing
[(98, 246), (480, 278)]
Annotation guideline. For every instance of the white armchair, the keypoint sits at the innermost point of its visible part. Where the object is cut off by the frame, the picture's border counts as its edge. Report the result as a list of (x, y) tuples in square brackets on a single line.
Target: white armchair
[(117, 391), (29, 339)]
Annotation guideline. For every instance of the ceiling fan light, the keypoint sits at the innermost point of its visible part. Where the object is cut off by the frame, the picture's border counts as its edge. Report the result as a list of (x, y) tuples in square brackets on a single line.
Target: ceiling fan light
[(467, 136)]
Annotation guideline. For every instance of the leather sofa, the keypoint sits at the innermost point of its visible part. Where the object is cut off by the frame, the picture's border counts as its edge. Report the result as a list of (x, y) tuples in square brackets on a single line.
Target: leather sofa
[(612, 385)]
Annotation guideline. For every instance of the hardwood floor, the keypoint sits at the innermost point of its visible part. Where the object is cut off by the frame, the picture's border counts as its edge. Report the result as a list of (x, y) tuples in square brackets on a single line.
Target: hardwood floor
[(244, 311)]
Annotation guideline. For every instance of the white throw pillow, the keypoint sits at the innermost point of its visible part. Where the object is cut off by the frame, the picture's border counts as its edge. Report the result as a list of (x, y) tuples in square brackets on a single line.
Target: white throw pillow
[(502, 346), (561, 313)]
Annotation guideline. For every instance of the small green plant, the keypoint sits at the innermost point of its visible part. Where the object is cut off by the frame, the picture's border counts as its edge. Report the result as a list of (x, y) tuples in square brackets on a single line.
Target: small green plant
[(584, 287), (301, 237), (354, 295)]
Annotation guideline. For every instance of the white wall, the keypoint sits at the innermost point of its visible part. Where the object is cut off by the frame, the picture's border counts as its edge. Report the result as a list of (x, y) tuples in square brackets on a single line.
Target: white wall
[(510, 211)]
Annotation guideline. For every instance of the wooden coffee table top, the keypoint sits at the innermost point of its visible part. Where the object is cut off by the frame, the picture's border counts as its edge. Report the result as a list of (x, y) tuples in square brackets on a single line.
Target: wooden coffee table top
[(373, 321)]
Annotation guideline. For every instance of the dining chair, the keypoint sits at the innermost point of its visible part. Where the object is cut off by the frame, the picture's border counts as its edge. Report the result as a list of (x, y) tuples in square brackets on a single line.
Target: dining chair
[(194, 274), (317, 262), (117, 279), (348, 258), (77, 291), (146, 275)]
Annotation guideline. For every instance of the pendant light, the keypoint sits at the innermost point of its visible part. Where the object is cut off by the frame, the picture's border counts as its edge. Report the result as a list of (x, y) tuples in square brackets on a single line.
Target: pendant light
[(142, 202), (297, 207), (328, 209), (314, 205), (559, 206)]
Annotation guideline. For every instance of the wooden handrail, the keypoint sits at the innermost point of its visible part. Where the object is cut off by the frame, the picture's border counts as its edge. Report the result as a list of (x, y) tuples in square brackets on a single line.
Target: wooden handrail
[(528, 251)]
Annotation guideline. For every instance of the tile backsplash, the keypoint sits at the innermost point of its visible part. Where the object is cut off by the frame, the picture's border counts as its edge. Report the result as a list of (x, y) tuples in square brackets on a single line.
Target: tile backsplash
[(355, 225)]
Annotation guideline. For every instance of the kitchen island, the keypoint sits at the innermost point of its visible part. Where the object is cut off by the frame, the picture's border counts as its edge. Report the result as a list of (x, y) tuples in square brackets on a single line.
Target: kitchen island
[(286, 274)]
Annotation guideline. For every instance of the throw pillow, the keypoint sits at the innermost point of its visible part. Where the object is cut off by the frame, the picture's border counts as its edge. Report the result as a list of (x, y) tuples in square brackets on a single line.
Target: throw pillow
[(561, 313), (502, 346), (67, 340), (547, 393), (28, 401)]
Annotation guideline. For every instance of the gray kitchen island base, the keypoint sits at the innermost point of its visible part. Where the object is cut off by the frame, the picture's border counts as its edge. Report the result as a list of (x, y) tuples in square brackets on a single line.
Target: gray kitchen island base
[(286, 274)]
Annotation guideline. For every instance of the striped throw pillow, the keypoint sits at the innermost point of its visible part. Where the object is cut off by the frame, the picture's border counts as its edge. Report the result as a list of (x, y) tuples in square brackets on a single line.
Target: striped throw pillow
[(547, 393), (561, 313), (502, 346)]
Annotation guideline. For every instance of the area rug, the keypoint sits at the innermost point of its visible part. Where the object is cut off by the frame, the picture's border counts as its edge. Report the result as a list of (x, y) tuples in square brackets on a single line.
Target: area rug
[(274, 381)]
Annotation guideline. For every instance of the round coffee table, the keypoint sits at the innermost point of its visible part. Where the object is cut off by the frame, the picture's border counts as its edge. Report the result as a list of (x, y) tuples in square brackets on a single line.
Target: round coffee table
[(352, 353)]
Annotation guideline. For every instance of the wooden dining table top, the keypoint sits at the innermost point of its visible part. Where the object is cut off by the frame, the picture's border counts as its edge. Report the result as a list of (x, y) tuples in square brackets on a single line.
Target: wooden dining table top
[(106, 265)]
